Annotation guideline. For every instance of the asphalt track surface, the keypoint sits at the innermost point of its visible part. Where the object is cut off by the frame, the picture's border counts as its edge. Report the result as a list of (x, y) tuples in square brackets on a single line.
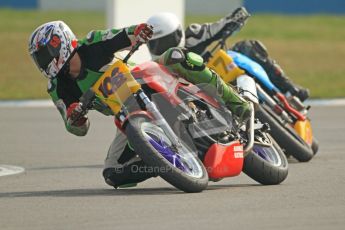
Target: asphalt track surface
[(62, 186)]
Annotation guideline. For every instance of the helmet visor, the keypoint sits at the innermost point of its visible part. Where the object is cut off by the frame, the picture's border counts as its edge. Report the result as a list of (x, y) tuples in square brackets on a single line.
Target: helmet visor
[(160, 45), (46, 53), (43, 57)]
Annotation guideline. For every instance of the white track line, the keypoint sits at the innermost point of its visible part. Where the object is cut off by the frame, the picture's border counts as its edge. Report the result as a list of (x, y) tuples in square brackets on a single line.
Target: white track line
[(325, 102), (6, 170), (49, 103), (26, 103)]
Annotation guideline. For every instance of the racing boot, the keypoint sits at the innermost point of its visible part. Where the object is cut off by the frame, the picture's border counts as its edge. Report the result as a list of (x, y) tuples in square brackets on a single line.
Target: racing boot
[(130, 171), (258, 52), (191, 67), (279, 78), (127, 175)]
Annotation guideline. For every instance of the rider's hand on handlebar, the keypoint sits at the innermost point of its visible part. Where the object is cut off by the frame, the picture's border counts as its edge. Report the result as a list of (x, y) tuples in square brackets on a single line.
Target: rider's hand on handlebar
[(236, 20), (143, 32), (75, 115), (240, 15)]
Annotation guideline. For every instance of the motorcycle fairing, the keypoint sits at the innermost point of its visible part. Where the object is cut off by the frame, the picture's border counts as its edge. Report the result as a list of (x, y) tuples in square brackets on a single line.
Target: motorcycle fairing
[(115, 86), (253, 68), (224, 160), (158, 78), (304, 130)]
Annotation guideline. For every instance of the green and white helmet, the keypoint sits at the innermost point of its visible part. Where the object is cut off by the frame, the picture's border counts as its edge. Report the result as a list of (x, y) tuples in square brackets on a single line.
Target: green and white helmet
[(51, 46)]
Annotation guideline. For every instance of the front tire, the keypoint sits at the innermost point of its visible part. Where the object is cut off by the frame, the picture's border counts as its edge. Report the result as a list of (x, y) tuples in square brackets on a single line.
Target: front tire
[(266, 165), (142, 134), (315, 145), (285, 136)]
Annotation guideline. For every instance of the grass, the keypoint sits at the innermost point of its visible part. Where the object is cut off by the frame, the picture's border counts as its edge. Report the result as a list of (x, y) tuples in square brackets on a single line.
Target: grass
[(20, 78), (311, 49)]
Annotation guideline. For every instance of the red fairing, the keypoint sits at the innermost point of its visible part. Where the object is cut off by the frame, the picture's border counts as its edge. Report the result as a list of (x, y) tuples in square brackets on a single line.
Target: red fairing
[(224, 161), (158, 78)]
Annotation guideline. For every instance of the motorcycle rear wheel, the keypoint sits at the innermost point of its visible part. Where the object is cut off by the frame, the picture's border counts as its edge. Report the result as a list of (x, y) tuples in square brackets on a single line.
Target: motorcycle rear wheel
[(182, 169)]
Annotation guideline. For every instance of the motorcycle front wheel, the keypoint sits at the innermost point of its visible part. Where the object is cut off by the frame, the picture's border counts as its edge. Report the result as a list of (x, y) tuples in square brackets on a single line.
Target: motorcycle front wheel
[(285, 135), (178, 165), (266, 164)]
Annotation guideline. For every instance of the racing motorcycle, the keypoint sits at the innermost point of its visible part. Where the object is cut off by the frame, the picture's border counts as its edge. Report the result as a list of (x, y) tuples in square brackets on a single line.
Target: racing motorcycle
[(185, 133), (199, 117), (287, 116), (147, 131)]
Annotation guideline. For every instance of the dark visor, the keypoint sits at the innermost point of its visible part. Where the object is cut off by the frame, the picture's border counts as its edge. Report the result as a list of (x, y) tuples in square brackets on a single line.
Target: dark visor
[(45, 55), (160, 45)]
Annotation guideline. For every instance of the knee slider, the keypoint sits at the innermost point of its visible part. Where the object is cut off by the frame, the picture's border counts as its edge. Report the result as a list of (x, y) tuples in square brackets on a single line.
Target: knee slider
[(193, 62), (175, 55)]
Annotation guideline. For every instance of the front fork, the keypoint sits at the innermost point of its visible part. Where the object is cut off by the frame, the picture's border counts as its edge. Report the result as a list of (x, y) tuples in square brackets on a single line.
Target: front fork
[(273, 105), (250, 131), (248, 92), (151, 108), (301, 126)]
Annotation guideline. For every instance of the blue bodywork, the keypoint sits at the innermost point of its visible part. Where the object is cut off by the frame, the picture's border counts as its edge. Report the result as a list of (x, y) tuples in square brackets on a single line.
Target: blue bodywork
[(253, 69)]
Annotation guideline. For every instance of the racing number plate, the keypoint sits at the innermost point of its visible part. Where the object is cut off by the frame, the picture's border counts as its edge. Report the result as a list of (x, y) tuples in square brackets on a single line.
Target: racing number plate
[(115, 86)]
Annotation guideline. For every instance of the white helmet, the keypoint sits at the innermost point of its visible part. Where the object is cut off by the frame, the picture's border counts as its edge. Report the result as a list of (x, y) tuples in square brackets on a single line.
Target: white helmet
[(51, 46), (167, 33)]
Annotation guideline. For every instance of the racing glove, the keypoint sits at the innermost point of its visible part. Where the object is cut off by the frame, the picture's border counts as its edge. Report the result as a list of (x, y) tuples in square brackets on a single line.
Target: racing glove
[(75, 115), (143, 32), (239, 16)]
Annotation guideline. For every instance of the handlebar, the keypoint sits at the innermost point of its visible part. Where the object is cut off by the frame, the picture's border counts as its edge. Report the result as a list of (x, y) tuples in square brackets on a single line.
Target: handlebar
[(131, 52), (85, 102)]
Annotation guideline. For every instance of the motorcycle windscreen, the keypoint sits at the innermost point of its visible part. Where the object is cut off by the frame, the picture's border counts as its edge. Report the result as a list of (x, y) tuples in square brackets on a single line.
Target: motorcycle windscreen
[(195, 113)]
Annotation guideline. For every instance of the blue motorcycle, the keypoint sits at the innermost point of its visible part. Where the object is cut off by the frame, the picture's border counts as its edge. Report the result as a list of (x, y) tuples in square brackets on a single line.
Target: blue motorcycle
[(286, 116)]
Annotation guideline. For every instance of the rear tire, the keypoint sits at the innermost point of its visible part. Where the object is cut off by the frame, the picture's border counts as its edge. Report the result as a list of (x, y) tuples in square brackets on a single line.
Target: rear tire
[(285, 136), (153, 158), (264, 171)]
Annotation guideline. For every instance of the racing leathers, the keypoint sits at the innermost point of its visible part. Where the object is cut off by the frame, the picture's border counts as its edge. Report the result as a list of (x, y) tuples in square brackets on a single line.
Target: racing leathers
[(200, 36), (96, 51)]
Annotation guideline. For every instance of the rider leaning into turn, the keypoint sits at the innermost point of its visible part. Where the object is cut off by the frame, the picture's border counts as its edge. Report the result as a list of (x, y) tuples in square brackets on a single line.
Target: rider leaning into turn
[(73, 66), (196, 38)]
